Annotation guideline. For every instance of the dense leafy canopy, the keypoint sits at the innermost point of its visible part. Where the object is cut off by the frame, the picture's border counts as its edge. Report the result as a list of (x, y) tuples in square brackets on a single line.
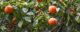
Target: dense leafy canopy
[(33, 16)]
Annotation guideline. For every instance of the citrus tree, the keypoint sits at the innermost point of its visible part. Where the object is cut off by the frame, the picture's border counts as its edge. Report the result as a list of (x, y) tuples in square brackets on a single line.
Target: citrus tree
[(39, 15)]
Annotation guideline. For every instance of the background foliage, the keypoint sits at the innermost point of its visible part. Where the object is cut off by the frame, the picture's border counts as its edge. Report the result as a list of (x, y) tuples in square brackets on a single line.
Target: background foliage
[(30, 20)]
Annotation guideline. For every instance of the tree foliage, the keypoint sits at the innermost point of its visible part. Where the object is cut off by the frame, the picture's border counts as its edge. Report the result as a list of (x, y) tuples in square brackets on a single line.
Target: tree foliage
[(32, 16)]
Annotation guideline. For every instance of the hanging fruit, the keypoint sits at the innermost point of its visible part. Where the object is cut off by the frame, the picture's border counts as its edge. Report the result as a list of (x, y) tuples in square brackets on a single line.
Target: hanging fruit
[(39, 1), (8, 9), (52, 21), (52, 9)]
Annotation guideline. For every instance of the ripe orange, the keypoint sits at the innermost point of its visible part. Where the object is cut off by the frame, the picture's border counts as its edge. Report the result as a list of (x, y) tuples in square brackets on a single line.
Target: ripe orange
[(52, 21), (52, 9), (39, 1), (8, 9)]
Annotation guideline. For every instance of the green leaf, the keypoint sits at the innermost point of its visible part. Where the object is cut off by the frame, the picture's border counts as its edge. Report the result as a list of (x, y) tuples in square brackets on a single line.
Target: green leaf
[(20, 24), (35, 22), (77, 18), (30, 13), (25, 3), (27, 18), (75, 30), (3, 27)]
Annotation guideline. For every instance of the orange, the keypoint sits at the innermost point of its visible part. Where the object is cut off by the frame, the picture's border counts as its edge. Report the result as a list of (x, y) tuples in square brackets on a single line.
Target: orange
[(52, 21), (8, 9), (52, 9)]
